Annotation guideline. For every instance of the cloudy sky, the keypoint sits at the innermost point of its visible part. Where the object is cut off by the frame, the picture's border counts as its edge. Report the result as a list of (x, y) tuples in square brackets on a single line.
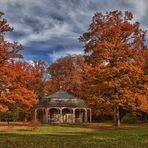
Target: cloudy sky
[(49, 29)]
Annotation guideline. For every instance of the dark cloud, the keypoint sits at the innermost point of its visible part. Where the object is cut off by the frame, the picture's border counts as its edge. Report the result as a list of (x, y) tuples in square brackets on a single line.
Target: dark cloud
[(49, 29)]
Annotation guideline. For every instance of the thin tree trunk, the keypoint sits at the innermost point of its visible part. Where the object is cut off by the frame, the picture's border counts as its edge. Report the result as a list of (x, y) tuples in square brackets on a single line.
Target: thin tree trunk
[(25, 119), (8, 122), (114, 114), (117, 116)]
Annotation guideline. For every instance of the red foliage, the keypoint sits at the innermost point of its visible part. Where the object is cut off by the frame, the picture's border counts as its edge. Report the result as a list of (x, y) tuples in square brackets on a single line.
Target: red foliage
[(118, 44), (70, 74), (14, 85), (34, 124)]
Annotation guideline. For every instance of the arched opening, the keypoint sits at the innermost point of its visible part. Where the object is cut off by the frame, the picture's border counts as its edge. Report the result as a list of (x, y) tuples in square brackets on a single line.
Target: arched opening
[(54, 115), (80, 115), (67, 115), (41, 115), (77, 115), (88, 115)]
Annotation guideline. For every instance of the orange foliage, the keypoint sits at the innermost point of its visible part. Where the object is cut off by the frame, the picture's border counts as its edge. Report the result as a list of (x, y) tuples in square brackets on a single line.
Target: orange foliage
[(13, 78), (71, 74), (118, 44)]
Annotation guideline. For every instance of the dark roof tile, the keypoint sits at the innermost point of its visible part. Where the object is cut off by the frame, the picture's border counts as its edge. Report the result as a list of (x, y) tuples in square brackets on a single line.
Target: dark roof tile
[(61, 99)]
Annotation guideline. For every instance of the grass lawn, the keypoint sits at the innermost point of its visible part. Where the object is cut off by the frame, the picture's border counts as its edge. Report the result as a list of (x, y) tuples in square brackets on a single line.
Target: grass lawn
[(94, 135)]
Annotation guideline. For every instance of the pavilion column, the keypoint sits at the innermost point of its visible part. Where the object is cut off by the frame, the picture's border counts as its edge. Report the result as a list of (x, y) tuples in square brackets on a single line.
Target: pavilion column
[(35, 114), (73, 117), (90, 118), (49, 120), (85, 115), (61, 116), (46, 115)]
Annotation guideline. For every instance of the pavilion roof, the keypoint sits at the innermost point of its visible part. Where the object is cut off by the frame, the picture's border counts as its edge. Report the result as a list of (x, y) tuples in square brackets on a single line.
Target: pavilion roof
[(61, 99)]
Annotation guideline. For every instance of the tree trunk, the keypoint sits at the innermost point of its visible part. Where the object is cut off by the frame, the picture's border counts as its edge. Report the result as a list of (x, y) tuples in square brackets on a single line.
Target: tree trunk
[(8, 122), (117, 116)]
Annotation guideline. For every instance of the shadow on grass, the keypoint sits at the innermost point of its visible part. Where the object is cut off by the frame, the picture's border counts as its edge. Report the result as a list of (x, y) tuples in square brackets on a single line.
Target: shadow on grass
[(65, 138), (102, 126), (84, 125), (75, 136), (57, 140)]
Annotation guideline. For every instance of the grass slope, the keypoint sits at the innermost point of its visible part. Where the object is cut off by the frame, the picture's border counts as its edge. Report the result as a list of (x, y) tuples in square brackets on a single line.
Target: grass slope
[(94, 135)]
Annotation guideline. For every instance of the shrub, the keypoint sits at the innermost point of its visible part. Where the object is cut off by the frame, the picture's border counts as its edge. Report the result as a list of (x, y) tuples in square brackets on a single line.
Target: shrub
[(129, 118), (34, 124)]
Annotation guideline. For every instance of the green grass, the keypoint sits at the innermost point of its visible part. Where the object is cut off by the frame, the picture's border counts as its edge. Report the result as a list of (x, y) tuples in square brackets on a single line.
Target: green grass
[(97, 135)]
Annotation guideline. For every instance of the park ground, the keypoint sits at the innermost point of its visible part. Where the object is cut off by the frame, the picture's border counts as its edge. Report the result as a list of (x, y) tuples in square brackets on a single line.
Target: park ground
[(91, 135)]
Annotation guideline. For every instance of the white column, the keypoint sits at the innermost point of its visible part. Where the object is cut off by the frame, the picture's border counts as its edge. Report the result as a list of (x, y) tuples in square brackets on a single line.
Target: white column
[(73, 117), (90, 118), (85, 115), (61, 116), (35, 114), (46, 115), (49, 120)]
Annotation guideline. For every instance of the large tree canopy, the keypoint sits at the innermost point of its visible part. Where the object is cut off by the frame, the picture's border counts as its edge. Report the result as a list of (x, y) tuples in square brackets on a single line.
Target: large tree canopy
[(13, 75), (115, 46)]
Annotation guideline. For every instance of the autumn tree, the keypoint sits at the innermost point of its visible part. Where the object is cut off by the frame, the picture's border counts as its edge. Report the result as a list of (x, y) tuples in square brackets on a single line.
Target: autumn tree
[(8, 51), (19, 97), (70, 74), (115, 46), (13, 90), (35, 76)]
